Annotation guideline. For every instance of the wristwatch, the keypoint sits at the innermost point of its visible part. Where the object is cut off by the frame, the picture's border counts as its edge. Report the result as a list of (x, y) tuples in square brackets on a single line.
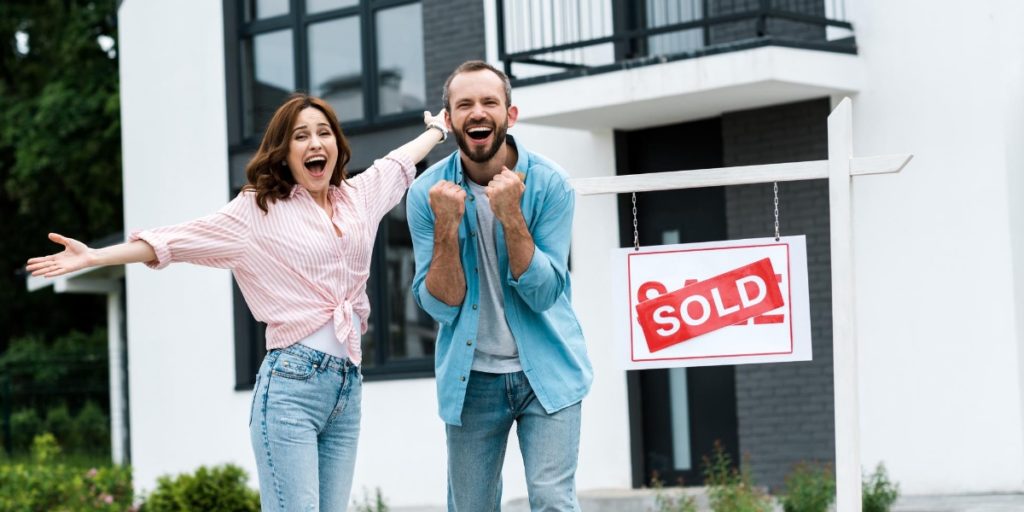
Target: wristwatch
[(440, 127)]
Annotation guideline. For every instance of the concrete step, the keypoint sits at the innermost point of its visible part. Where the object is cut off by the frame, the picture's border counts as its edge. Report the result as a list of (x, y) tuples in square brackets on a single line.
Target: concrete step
[(643, 500)]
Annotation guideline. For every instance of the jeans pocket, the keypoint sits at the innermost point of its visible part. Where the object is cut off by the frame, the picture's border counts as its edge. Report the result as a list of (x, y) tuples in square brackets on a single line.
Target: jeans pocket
[(255, 392), (293, 366)]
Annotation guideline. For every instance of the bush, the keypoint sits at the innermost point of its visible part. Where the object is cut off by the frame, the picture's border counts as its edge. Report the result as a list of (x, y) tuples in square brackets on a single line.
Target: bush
[(878, 493), (60, 424), (809, 488), (47, 484), (92, 429), (375, 504), (666, 501), (25, 425), (731, 490), (217, 489)]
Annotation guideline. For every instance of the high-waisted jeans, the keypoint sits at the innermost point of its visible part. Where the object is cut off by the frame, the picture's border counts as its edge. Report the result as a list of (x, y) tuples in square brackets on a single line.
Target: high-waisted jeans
[(304, 427)]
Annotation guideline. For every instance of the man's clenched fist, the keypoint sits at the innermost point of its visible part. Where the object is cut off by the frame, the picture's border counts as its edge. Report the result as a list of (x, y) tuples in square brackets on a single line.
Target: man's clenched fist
[(448, 201), (504, 193)]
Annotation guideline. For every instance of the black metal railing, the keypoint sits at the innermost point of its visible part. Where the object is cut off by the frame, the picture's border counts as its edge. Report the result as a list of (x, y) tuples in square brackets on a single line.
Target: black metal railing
[(541, 40)]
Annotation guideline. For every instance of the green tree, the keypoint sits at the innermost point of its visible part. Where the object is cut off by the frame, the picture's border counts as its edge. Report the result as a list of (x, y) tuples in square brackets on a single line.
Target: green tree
[(60, 154)]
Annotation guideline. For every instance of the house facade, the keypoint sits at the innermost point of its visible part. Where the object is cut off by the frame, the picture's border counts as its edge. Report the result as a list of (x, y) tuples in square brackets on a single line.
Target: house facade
[(606, 88)]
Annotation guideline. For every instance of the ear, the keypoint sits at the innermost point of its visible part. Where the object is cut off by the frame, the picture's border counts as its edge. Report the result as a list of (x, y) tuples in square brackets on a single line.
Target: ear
[(513, 114), (448, 119)]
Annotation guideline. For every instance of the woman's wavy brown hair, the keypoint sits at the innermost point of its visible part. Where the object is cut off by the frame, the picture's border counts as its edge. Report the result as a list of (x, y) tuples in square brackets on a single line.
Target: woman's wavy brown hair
[(268, 173)]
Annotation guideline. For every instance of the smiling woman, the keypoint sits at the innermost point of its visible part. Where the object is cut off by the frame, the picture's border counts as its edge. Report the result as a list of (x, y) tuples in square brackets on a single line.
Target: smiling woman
[(303, 130), (298, 239)]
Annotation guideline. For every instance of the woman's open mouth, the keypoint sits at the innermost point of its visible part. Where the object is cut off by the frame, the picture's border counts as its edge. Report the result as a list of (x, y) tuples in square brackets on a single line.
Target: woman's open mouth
[(316, 165)]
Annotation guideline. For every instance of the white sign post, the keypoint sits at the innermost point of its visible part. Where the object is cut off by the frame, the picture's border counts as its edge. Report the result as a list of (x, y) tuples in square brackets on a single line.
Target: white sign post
[(839, 168)]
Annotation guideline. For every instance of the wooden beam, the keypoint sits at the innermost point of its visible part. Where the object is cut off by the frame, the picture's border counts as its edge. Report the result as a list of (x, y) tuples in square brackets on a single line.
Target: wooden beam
[(740, 175), (844, 340), (882, 164)]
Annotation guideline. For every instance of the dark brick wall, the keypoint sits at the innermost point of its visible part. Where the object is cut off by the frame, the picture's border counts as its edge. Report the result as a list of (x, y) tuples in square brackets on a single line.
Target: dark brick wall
[(453, 32), (733, 31), (747, 29), (785, 410)]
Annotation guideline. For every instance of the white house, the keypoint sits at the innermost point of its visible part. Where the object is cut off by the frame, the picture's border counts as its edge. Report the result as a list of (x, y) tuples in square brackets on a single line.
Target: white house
[(938, 248)]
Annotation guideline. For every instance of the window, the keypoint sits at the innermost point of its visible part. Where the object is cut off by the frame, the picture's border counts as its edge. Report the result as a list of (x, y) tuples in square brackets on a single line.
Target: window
[(365, 57), (401, 337)]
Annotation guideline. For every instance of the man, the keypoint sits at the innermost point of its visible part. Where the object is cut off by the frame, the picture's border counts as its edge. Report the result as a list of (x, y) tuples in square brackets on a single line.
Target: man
[(492, 252)]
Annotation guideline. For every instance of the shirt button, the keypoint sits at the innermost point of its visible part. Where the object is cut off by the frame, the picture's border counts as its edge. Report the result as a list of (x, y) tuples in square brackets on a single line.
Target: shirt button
[(469, 343), (474, 306), (472, 233), (463, 378), (472, 198)]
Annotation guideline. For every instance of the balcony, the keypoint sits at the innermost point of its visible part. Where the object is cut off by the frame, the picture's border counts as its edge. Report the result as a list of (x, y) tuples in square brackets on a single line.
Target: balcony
[(634, 63)]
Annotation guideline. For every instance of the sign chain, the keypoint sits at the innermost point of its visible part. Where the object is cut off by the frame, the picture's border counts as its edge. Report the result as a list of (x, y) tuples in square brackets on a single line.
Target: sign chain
[(636, 234)]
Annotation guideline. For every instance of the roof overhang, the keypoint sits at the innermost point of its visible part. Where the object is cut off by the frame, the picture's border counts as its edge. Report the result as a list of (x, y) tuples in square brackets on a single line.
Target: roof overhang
[(97, 280), (689, 89)]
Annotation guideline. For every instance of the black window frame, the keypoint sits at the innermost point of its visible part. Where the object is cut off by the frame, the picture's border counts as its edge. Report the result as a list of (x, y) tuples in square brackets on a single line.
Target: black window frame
[(297, 21), (250, 340)]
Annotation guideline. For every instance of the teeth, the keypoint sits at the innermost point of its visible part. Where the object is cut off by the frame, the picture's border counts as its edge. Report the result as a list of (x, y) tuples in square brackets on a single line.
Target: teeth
[(316, 159), (478, 130)]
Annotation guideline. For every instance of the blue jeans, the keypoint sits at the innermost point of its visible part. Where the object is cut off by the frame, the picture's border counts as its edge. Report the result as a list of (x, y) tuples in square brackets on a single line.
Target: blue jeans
[(476, 450), (304, 427)]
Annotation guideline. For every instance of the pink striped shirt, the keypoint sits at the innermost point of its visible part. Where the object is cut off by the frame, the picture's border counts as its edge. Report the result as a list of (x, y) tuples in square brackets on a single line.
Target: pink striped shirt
[(295, 272)]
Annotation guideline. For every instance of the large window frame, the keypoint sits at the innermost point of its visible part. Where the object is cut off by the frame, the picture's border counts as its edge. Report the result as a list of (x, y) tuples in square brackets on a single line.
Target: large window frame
[(249, 334), (297, 21)]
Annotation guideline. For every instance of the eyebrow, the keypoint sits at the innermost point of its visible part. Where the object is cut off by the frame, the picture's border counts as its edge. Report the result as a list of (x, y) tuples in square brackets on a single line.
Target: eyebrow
[(481, 98), (303, 127)]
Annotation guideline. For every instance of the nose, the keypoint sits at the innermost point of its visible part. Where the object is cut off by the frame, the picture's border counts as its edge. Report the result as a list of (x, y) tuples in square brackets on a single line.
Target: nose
[(477, 112), (315, 142)]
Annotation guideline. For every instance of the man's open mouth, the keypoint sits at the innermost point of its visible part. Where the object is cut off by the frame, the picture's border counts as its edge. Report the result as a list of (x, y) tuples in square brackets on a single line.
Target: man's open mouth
[(316, 164), (479, 132)]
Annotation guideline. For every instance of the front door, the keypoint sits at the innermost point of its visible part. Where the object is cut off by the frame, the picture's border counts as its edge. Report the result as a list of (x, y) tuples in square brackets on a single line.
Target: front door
[(676, 415)]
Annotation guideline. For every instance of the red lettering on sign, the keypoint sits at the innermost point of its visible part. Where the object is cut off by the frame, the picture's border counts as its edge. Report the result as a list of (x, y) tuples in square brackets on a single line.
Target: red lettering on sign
[(705, 306)]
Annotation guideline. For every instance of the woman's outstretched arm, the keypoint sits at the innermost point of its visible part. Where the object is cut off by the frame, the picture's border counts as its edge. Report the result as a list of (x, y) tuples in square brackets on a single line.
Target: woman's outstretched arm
[(418, 148), (77, 256)]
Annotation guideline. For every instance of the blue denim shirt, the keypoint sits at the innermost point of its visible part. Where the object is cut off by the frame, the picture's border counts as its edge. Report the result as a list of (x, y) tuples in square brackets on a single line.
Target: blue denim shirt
[(538, 306)]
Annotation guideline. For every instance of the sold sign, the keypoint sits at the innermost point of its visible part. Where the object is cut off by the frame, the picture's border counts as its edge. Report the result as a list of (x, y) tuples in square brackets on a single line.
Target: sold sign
[(708, 305), (711, 303)]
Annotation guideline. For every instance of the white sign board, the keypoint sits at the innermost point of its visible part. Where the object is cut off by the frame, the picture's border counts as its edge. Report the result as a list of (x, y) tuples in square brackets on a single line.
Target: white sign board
[(714, 303)]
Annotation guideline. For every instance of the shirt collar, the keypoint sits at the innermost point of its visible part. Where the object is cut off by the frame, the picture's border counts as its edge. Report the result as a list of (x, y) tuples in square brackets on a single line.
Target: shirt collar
[(332, 191)]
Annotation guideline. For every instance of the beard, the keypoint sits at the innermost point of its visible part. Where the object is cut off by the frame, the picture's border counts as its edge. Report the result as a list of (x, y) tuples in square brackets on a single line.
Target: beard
[(481, 154)]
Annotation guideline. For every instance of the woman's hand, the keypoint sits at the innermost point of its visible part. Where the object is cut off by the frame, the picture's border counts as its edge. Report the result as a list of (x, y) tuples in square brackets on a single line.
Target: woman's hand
[(75, 256), (436, 131), (429, 118)]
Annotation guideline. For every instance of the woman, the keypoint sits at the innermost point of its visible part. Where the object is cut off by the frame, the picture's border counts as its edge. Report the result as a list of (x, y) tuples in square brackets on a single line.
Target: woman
[(298, 239)]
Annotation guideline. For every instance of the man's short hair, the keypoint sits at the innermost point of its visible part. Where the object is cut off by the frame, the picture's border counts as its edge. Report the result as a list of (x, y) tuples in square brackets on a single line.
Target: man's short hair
[(476, 65)]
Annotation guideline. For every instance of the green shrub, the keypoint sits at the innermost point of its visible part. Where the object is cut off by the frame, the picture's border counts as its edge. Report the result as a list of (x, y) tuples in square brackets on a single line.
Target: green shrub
[(60, 424), (92, 429), (809, 488), (878, 493), (729, 489), (667, 501), (374, 504), (47, 484), (25, 425), (217, 489)]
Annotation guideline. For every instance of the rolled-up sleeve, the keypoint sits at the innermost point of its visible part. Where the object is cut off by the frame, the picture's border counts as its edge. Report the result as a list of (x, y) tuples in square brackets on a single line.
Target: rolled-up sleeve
[(218, 240), (383, 184), (421, 227), (546, 277)]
